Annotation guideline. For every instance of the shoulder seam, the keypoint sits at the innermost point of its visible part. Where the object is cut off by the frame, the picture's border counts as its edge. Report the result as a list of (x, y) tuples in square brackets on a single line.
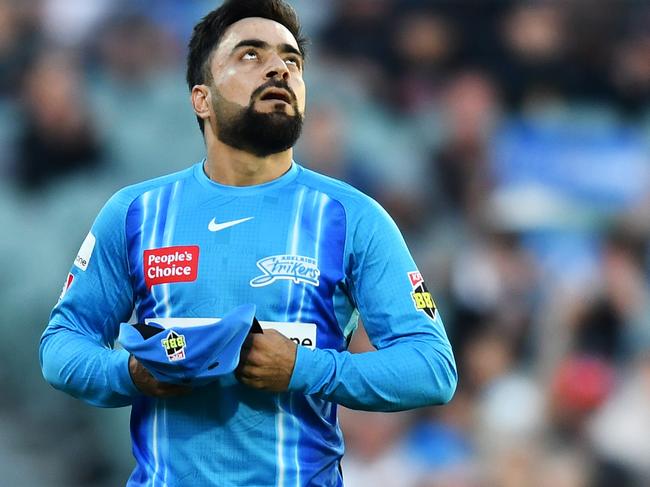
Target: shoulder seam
[(160, 181), (348, 229), (132, 200)]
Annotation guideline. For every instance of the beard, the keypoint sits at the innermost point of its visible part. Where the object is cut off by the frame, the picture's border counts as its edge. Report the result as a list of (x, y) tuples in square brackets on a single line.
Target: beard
[(257, 133)]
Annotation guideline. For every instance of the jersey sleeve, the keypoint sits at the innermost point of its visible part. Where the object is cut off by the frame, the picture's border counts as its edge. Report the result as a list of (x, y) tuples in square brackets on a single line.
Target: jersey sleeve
[(76, 350), (414, 365)]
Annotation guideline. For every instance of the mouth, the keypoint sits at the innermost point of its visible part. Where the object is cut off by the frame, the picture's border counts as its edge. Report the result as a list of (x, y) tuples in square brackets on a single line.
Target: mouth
[(276, 95)]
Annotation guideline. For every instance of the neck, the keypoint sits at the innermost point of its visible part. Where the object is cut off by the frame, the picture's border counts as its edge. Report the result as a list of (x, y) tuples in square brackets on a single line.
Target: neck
[(233, 167)]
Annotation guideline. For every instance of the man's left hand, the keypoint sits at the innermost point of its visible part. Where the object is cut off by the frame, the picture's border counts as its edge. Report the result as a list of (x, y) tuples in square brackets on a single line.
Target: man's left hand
[(267, 361)]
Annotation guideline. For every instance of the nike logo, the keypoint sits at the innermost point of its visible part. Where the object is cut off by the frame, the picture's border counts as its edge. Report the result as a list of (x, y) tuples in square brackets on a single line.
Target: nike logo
[(215, 227)]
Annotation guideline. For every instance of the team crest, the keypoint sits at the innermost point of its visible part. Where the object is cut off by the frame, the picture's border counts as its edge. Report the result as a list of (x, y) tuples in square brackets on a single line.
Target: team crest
[(294, 268), (174, 345), (422, 299)]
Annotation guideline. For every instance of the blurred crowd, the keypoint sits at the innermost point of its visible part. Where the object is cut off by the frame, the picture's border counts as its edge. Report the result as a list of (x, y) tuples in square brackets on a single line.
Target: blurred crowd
[(510, 140)]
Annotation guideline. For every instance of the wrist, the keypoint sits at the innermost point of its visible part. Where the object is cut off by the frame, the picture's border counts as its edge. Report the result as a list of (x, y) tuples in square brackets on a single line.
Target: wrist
[(122, 380), (305, 370)]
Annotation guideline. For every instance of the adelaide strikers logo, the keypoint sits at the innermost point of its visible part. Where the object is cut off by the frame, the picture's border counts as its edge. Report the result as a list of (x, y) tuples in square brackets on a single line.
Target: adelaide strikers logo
[(422, 298), (174, 345), (294, 268)]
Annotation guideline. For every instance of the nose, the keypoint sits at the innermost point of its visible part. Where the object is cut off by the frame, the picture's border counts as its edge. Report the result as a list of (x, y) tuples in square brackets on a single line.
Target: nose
[(277, 68)]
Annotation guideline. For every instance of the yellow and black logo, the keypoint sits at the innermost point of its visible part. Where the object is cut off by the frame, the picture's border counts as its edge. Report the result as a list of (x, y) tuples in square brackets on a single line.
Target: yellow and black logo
[(422, 298), (174, 345)]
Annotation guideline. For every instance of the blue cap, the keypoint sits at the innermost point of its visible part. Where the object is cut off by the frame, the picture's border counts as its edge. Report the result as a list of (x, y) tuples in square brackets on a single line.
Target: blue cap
[(193, 355)]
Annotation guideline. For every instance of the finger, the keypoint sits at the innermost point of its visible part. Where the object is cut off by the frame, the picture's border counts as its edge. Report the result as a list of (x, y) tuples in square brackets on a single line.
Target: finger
[(252, 376), (275, 335), (254, 382), (248, 372), (243, 377), (253, 357), (273, 331)]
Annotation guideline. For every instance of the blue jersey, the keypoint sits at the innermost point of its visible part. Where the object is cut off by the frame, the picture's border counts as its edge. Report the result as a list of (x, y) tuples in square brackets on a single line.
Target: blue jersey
[(312, 254)]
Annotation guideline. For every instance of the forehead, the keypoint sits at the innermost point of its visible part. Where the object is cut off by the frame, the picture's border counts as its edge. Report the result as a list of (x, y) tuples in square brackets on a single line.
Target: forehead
[(259, 28)]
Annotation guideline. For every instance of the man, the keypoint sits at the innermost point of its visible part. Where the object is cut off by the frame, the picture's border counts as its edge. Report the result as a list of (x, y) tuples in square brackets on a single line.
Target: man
[(249, 225)]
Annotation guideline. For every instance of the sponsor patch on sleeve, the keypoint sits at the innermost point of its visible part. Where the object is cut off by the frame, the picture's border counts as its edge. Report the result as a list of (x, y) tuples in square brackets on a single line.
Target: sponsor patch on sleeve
[(422, 299), (85, 252), (66, 285)]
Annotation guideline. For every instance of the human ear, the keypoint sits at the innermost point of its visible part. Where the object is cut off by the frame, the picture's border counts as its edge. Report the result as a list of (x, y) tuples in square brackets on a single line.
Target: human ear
[(201, 100)]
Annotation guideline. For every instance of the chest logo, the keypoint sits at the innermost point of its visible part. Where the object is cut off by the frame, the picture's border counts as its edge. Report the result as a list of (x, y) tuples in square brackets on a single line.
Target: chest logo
[(294, 268), (213, 226), (171, 264)]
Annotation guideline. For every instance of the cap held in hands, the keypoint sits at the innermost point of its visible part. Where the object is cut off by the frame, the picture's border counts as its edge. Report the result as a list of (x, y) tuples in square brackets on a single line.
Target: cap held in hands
[(192, 355)]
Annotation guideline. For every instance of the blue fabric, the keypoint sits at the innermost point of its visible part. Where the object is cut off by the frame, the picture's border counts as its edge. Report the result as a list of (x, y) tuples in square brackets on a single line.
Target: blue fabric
[(205, 353), (308, 251)]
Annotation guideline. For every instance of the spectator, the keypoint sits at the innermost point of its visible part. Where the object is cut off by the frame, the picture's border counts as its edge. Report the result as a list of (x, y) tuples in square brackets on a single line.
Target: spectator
[(20, 38), (58, 137)]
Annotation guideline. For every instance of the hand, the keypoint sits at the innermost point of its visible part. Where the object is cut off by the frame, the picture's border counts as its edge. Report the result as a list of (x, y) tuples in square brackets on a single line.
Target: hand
[(267, 361), (149, 386)]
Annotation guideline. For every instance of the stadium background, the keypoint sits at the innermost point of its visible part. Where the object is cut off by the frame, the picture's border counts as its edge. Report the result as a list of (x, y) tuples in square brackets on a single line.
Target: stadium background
[(510, 140)]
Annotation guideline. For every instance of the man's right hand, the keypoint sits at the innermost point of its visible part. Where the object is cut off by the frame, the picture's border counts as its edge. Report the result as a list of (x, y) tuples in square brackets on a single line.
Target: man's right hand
[(149, 386)]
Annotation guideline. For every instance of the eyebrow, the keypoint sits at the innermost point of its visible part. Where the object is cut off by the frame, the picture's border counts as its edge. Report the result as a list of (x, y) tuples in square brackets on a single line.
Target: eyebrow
[(284, 48)]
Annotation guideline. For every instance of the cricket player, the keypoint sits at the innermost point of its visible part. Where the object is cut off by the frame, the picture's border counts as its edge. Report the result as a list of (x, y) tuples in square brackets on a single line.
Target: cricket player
[(248, 225)]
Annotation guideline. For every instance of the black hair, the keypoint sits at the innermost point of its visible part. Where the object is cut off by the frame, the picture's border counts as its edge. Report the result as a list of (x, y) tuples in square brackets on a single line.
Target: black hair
[(209, 31)]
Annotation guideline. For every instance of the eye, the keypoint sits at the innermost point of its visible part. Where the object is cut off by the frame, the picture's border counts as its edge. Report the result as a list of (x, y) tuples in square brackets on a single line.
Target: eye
[(249, 55), (293, 60)]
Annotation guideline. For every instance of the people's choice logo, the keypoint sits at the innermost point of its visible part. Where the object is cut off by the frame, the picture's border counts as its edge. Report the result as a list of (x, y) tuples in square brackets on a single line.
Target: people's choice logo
[(294, 268), (171, 264)]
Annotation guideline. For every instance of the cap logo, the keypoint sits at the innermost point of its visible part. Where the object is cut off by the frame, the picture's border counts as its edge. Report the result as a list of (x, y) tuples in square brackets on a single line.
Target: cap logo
[(174, 345)]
